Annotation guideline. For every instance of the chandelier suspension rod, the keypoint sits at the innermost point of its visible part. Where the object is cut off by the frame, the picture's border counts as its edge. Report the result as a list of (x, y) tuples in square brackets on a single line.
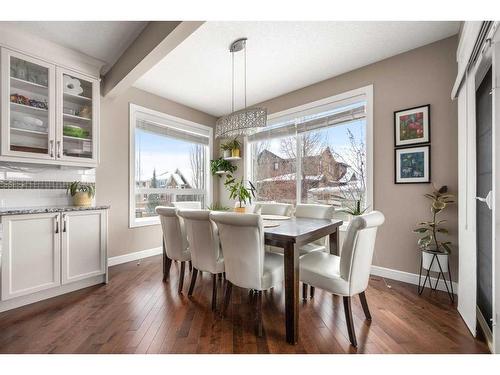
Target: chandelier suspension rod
[(232, 82)]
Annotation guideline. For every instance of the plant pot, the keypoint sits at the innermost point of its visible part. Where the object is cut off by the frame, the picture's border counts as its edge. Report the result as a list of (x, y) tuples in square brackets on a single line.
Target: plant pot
[(82, 199), (226, 153), (240, 210), (235, 153), (427, 256)]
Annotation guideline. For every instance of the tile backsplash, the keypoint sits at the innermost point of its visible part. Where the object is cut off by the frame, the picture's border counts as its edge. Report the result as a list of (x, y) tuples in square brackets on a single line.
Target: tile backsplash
[(27, 186)]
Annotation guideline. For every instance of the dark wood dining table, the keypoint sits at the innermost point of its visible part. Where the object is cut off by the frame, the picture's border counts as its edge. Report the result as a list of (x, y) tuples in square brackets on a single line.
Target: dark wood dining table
[(290, 235)]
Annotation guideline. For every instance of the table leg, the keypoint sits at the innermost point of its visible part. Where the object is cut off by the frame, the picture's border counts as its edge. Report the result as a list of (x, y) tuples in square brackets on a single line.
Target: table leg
[(292, 292), (334, 242)]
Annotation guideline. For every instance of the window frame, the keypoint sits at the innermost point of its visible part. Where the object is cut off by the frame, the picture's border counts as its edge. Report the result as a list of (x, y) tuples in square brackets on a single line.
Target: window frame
[(176, 123), (367, 93)]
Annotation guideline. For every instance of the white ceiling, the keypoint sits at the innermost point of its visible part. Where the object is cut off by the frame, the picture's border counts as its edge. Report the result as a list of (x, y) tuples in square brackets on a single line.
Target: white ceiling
[(281, 57), (104, 40)]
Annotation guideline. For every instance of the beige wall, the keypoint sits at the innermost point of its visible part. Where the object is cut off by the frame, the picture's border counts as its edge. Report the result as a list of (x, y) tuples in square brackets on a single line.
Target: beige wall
[(421, 76), (112, 175)]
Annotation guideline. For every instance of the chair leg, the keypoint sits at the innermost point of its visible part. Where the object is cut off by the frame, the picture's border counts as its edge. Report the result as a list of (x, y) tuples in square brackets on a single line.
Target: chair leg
[(181, 277), (349, 321), (168, 263), (227, 297), (304, 291), (312, 291), (193, 282), (214, 292), (259, 312), (190, 266), (364, 304)]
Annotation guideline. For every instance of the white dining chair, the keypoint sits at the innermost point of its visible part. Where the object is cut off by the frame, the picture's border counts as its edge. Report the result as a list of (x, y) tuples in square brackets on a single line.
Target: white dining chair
[(348, 274), (247, 264), (189, 205), (273, 208), (204, 245), (312, 211), (175, 240)]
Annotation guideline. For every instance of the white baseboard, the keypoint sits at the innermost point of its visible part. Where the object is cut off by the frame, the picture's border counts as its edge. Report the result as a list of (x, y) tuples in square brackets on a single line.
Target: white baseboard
[(407, 277), (113, 261)]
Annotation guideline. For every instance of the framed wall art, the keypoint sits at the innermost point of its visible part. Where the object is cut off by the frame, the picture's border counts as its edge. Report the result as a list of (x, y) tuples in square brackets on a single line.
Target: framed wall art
[(412, 165), (412, 126)]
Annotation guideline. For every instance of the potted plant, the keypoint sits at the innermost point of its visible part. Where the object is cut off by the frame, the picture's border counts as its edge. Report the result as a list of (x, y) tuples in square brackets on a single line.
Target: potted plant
[(239, 190), (216, 206), (430, 242), (82, 193), (354, 210), (221, 166), (235, 147), (226, 149)]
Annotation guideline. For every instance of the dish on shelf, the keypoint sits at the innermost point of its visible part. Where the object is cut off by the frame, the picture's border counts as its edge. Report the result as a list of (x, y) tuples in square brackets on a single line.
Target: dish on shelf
[(24, 100), (75, 131), (77, 153), (22, 121), (72, 85)]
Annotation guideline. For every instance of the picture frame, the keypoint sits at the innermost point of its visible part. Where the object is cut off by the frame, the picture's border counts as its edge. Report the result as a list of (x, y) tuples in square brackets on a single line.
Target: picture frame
[(412, 126), (412, 165)]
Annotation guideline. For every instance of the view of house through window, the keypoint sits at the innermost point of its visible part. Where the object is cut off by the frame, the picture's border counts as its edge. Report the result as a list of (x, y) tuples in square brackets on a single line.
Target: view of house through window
[(313, 158), (170, 166)]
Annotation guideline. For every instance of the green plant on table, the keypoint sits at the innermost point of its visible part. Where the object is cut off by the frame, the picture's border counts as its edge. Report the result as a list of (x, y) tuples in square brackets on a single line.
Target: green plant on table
[(440, 199), (240, 191), (80, 187)]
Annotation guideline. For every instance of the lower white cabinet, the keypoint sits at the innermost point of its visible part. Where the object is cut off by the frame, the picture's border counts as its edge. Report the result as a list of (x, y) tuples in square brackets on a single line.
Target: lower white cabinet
[(51, 250), (83, 241), (31, 256)]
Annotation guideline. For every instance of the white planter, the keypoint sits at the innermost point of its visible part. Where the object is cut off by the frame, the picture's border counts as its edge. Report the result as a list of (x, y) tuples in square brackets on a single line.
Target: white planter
[(226, 154), (427, 259)]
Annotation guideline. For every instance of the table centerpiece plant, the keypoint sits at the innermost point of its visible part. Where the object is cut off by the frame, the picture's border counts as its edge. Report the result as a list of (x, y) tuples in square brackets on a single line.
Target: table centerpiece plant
[(241, 190)]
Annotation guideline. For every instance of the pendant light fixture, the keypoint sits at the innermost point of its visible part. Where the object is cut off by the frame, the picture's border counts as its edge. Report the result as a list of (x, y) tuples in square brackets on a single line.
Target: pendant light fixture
[(245, 121)]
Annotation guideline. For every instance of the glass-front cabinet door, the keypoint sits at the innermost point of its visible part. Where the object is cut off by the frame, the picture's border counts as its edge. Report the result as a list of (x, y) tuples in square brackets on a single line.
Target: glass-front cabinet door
[(77, 119), (28, 106)]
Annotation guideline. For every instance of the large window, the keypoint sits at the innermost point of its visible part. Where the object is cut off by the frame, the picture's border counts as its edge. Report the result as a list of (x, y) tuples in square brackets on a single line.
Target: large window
[(168, 163), (319, 153)]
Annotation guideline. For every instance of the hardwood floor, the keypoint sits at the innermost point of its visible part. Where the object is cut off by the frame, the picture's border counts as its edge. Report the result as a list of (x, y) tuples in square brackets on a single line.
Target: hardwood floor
[(138, 313)]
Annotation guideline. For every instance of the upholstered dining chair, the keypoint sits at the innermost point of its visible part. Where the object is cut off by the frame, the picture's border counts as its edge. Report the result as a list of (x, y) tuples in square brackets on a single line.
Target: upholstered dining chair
[(312, 211), (175, 240), (247, 264), (188, 205), (204, 246), (348, 274), (273, 208)]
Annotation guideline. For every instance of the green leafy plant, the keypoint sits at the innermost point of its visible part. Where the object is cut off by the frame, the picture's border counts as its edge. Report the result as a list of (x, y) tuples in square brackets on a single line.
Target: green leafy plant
[(226, 146), (440, 199), (77, 187), (220, 164), (355, 210), (233, 144), (239, 190), (216, 206)]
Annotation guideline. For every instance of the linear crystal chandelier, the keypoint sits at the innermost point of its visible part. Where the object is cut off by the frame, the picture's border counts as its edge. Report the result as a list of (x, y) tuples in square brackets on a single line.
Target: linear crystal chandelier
[(245, 121)]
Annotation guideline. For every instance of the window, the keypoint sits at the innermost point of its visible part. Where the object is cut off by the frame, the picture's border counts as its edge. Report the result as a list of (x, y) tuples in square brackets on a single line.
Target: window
[(323, 150), (169, 162), (276, 165)]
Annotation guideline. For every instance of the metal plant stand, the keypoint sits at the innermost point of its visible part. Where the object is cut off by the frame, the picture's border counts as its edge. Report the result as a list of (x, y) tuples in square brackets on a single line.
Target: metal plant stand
[(421, 287)]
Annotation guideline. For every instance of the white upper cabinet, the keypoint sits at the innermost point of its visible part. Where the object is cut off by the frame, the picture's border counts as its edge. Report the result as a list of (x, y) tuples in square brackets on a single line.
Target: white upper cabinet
[(49, 114), (78, 120)]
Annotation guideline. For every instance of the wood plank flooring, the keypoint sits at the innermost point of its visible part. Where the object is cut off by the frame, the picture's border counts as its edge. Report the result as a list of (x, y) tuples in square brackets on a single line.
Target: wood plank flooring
[(138, 313)]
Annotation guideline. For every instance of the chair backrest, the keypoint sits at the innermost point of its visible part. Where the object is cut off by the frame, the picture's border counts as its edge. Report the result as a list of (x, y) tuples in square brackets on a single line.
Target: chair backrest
[(174, 233), (273, 208), (190, 205), (203, 239), (242, 242), (357, 250), (315, 211)]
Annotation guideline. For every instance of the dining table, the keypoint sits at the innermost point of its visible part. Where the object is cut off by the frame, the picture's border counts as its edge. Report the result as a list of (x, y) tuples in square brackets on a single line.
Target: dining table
[(290, 234)]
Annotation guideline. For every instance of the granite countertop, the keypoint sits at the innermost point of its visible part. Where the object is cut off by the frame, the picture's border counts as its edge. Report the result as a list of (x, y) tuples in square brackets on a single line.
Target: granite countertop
[(41, 210)]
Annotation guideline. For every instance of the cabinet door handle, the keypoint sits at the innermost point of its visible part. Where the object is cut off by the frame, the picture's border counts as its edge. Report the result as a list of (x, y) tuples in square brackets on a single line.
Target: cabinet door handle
[(51, 148), (64, 223), (58, 143), (57, 224)]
